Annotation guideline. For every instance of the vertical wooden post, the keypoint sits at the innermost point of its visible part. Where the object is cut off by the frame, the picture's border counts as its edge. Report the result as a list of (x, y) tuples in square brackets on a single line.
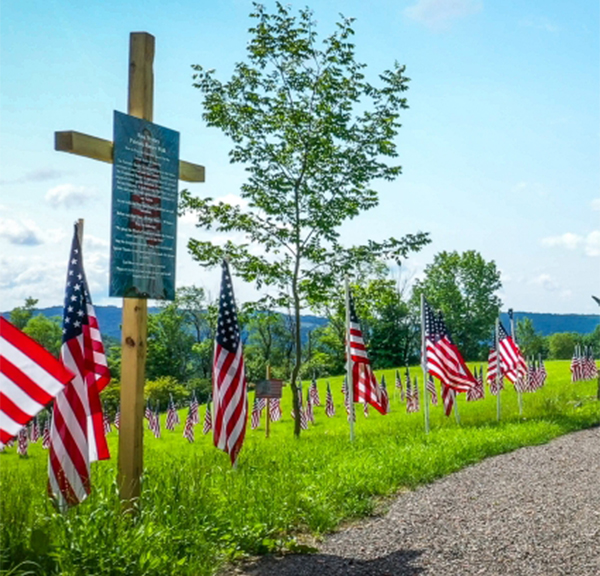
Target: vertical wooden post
[(135, 311), (268, 423)]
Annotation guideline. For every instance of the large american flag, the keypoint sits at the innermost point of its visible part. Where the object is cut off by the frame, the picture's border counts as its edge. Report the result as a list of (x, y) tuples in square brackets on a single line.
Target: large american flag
[(229, 380), (364, 383), (77, 433), (512, 361), (30, 377), (442, 358)]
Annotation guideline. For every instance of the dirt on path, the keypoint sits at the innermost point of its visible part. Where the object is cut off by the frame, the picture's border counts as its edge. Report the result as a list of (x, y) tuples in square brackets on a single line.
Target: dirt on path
[(533, 511)]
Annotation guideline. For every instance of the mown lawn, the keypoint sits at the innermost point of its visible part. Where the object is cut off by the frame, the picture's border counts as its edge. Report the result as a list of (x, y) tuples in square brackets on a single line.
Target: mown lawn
[(196, 513)]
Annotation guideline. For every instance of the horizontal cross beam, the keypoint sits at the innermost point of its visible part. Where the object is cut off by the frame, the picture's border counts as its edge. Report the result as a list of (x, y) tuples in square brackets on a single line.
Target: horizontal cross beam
[(99, 149)]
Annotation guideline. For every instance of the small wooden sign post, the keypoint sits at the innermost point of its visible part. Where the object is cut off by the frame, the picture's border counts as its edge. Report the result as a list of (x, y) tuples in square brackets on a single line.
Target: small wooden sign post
[(135, 311)]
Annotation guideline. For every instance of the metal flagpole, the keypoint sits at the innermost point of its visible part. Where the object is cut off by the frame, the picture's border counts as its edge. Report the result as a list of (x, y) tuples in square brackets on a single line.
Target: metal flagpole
[(498, 370), (514, 337), (424, 365), (350, 384), (456, 413)]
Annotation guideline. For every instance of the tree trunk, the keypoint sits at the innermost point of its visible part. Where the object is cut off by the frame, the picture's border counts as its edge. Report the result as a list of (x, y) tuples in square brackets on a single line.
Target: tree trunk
[(298, 350)]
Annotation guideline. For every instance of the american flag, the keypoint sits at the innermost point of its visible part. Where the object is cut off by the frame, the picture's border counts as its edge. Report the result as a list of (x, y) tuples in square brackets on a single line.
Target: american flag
[(107, 427), (542, 371), (494, 379), (303, 418), (188, 429), (257, 408), (432, 390), (329, 405), (409, 392), (149, 415), (275, 409), (34, 431), (310, 413), (156, 423), (364, 383), (512, 362), (385, 399), (229, 380), (365, 410), (171, 415), (480, 383), (399, 385), (442, 358), (77, 433), (22, 442), (314, 392), (207, 426), (350, 412), (30, 377), (194, 406), (448, 395), (46, 435), (118, 418), (415, 396)]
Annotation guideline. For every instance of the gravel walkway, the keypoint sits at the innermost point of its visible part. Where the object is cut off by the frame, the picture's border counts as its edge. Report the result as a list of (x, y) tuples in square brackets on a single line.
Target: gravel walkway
[(533, 511)]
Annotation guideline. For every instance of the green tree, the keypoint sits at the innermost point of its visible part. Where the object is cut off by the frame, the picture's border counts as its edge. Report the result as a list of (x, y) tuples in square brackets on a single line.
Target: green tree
[(46, 331), (463, 286), (20, 315), (532, 343), (562, 345), (159, 391), (313, 133)]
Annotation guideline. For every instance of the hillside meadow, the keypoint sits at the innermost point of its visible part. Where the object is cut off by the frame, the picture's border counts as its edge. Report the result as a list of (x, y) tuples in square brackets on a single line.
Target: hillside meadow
[(196, 513)]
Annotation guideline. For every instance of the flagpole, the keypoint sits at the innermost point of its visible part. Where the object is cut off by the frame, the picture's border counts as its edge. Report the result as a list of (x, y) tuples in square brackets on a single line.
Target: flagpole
[(350, 385), (456, 413), (514, 337), (424, 365), (498, 369), (268, 422)]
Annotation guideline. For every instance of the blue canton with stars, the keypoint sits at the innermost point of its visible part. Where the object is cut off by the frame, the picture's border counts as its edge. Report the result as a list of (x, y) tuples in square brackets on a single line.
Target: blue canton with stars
[(228, 332), (76, 296)]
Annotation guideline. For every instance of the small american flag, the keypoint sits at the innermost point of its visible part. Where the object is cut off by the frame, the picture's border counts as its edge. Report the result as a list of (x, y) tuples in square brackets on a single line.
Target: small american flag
[(365, 410), (314, 393), (22, 442), (442, 358), (107, 427), (194, 406), (46, 435), (229, 377), (275, 409), (149, 415), (350, 412), (310, 413), (156, 424), (188, 429), (364, 383), (494, 379), (171, 415), (431, 389), (207, 426), (34, 433), (118, 418), (385, 399), (303, 419), (329, 405), (399, 385), (415, 396), (542, 374), (448, 395), (257, 408)]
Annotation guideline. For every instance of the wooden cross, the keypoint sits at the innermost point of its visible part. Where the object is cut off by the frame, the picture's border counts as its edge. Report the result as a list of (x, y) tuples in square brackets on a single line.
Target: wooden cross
[(135, 311)]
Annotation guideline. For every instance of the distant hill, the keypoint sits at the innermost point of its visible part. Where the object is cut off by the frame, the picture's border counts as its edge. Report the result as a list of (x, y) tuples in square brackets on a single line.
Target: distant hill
[(109, 318), (551, 323)]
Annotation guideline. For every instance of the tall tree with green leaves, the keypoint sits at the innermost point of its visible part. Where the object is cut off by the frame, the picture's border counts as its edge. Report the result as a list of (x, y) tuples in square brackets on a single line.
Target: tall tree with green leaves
[(463, 286), (20, 315), (313, 134)]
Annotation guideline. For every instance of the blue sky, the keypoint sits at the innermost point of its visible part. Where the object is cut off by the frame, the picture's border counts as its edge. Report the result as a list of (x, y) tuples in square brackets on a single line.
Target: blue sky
[(500, 146)]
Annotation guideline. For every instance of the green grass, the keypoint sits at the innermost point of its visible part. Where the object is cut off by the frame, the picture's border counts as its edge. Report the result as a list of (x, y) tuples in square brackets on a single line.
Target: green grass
[(196, 513)]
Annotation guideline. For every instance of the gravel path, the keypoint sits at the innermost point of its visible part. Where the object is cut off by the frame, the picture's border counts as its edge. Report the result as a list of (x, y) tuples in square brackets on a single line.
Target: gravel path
[(533, 511)]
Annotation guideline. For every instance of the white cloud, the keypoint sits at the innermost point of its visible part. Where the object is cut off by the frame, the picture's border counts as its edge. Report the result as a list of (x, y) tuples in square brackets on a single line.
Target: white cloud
[(545, 281), (567, 240), (437, 14), (571, 241), (68, 195), (94, 243), (20, 232), (596, 204)]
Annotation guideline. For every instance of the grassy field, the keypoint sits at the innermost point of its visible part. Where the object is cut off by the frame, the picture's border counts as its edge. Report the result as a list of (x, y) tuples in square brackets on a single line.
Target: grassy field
[(196, 513)]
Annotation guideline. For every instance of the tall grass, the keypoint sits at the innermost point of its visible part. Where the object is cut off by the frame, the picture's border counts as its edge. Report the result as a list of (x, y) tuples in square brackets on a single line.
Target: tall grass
[(196, 513)]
